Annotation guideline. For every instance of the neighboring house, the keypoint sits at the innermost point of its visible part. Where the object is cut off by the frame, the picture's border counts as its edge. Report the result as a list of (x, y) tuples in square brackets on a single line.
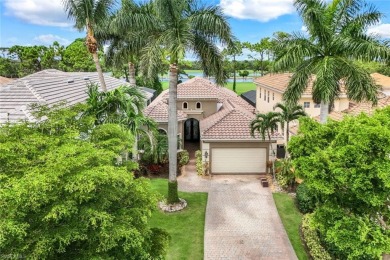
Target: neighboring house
[(271, 87), (363, 107), (250, 97), (218, 121), (383, 81), (48, 87)]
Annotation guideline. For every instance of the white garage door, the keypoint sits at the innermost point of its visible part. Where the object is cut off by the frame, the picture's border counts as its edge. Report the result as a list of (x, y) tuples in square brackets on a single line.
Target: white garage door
[(238, 160)]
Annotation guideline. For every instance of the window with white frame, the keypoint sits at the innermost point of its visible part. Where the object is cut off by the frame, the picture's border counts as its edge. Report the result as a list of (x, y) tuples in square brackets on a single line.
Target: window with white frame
[(198, 105), (273, 95), (185, 105), (306, 104), (317, 105), (260, 93), (265, 95), (268, 96)]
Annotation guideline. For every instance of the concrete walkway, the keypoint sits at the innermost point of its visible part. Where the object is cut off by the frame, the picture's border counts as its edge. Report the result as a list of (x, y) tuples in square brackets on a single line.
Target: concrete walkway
[(241, 217)]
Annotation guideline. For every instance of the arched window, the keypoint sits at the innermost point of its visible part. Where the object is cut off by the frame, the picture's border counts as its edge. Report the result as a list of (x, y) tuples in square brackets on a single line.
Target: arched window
[(185, 105), (198, 105)]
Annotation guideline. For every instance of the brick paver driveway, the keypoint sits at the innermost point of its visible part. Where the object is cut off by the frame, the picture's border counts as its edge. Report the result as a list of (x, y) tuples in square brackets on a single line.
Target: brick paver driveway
[(241, 218)]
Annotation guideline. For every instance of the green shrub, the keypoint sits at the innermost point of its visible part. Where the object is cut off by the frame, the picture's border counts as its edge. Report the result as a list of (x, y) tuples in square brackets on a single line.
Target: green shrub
[(199, 164), (305, 200), (285, 173), (183, 157), (312, 241)]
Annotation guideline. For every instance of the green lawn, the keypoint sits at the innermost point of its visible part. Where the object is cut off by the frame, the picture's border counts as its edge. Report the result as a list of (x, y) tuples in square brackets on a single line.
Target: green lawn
[(185, 227), (291, 219), (241, 87)]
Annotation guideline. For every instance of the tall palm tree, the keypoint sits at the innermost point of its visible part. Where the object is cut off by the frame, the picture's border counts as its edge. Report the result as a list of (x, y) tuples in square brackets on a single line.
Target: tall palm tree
[(336, 37), (90, 15), (184, 26), (126, 35), (287, 114), (265, 124)]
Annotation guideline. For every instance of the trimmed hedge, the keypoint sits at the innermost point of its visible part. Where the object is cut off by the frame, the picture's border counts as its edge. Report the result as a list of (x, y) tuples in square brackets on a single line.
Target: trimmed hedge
[(305, 200), (199, 163), (312, 241)]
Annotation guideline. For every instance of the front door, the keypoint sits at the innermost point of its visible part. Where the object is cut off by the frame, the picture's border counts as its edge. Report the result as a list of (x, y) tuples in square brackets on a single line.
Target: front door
[(191, 130)]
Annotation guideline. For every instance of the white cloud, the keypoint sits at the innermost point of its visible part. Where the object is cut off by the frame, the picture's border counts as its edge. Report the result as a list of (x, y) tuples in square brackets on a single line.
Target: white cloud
[(381, 30), (47, 39), (40, 12), (260, 10)]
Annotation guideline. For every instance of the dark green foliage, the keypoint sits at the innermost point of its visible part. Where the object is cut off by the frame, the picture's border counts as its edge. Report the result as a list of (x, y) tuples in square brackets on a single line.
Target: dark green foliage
[(77, 58), (63, 196), (346, 166), (8, 68), (150, 83), (305, 199), (173, 196)]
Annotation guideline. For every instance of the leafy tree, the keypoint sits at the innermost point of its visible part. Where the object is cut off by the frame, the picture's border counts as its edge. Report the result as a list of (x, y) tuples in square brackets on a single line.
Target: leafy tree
[(29, 58), (63, 196), (184, 26), (345, 165), (243, 73), (8, 68), (90, 15), (265, 124), (287, 114), (336, 37), (75, 57), (263, 47)]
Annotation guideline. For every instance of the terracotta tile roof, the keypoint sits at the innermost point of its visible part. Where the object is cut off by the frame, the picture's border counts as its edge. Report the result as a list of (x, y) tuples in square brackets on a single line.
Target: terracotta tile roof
[(279, 82), (232, 122), (356, 109), (197, 88), (158, 109), (227, 94)]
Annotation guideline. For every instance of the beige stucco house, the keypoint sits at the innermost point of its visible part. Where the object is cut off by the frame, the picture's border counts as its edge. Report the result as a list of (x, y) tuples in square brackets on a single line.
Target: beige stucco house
[(270, 89), (217, 120)]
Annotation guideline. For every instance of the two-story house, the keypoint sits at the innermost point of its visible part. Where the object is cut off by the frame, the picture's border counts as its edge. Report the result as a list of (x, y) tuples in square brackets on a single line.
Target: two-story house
[(217, 120), (271, 87)]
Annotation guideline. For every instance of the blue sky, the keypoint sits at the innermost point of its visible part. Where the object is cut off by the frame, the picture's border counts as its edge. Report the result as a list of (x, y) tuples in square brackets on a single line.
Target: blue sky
[(40, 22)]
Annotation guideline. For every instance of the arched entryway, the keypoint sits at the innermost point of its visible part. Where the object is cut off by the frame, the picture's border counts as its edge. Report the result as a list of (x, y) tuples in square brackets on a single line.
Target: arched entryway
[(191, 130)]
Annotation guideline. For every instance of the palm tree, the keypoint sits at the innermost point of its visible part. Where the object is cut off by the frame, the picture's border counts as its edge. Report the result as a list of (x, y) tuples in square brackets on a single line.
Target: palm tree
[(287, 114), (265, 124), (336, 37), (184, 26), (234, 50), (90, 15), (123, 106), (126, 35)]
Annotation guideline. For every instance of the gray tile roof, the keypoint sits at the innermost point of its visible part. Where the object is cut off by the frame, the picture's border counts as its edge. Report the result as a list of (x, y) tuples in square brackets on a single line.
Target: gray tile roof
[(48, 87), (250, 97)]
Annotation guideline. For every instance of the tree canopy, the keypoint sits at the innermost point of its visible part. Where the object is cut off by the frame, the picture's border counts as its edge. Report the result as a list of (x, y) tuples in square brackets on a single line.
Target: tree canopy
[(64, 194), (346, 166)]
